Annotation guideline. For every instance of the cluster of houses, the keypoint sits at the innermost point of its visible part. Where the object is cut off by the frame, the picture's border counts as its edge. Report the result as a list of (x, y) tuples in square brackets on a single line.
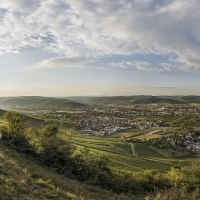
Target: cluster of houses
[(108, 119), (177, 110), (192, 142), (144, 110), (100, 123), (102, 132), (179, 142), (165, 110)]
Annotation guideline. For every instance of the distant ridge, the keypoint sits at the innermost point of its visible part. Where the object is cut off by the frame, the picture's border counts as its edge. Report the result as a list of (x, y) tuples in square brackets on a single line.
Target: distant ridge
[(139, 99), (38, 103), (68, 103)]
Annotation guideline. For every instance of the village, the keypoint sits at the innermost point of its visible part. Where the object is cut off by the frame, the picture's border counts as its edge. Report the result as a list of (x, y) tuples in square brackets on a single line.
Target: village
[(189, 142), (106, 120), (102, 126), (192, 142)]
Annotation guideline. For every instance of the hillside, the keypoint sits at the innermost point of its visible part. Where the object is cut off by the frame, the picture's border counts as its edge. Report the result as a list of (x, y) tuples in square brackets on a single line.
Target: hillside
[(140, 99), (20, 175), (38, 103), (124, 100)]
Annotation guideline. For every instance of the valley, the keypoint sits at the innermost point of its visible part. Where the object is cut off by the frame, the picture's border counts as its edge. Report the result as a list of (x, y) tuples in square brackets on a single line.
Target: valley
[(130, 139)]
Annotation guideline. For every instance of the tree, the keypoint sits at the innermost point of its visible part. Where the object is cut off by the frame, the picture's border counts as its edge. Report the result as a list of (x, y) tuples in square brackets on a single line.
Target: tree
[(15, 123), (49, 131), (15, 132)]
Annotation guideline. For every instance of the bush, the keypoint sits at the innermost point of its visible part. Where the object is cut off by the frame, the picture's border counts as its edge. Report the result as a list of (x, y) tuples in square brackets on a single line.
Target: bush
[(59, 155), (56, 153), (15, 133)]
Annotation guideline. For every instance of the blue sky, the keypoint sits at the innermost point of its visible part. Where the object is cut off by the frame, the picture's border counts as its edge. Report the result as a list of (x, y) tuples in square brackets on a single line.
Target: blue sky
[(99, 47)]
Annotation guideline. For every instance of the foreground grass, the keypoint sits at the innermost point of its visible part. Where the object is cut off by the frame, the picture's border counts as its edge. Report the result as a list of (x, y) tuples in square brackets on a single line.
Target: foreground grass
[(24, 179)]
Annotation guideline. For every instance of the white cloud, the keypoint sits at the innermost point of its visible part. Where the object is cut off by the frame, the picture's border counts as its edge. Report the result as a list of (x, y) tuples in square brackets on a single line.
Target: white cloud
[(103, 28), (62, 62), (146, 66)]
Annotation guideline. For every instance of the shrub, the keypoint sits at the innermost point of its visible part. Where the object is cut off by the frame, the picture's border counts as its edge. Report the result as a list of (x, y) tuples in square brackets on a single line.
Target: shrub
[(15, 133)]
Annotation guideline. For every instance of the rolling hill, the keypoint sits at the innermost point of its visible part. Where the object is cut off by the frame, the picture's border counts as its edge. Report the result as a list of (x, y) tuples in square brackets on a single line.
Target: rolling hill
[(71, 103), (38, 103), (140, 99)]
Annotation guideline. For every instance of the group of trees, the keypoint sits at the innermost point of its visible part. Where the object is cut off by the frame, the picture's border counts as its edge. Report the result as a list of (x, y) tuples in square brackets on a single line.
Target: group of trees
[(51, 150)]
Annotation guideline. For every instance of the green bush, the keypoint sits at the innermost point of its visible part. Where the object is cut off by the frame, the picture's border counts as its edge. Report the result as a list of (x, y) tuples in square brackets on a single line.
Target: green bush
[(15, 133)]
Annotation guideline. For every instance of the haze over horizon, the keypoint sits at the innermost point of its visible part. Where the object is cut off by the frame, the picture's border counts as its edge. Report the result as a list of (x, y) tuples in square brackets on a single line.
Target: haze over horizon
[(99, 47), (132, 92)]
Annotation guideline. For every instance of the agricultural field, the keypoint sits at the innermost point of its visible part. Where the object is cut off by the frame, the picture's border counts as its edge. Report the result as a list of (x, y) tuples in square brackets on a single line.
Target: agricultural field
[(130, 133), (127, 156)]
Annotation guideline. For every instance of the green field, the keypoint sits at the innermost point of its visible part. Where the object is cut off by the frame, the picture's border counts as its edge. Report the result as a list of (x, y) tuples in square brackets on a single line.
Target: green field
[(121, 156), (130, 133)]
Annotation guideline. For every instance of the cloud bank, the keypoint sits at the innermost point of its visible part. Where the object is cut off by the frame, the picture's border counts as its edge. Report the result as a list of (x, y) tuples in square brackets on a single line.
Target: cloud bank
[(95, 29)]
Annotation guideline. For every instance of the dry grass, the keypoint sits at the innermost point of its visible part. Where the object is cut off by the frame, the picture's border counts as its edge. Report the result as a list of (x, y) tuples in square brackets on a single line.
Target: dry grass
[(24, 179)]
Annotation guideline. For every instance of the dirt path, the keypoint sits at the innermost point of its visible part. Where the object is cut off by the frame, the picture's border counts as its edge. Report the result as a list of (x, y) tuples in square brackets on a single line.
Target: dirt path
[(133, 149)]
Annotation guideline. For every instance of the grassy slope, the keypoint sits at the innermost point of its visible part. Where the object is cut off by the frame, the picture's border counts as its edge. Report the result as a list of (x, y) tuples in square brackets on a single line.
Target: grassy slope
[(24, 179)]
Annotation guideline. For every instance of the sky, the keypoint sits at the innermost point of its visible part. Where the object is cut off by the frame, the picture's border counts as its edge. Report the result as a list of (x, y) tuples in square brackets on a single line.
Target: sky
[(99, 47)]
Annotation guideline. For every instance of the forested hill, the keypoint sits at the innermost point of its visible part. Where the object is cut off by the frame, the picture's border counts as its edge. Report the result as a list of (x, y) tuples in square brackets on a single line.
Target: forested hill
[(38, 103), (140, 99)]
